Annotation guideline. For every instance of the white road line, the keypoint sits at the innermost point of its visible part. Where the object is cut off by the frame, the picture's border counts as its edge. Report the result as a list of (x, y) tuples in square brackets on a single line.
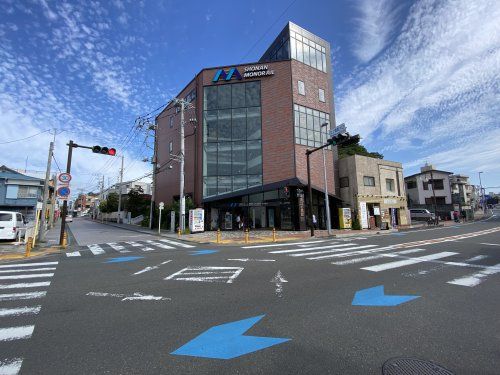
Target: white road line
[(117, 247), (16, 333), (364, 259), (25, 285), (203, 279), (160, 245), (490, 244), (407, 262), (312, 248), (20, 296), (151, 268), (283, 244), (96, 249), (252, 260), (16, 311), (177, 243), (10, 366), (476, 278), (27, 276), (30, 270), (135, 244), (147, 248), (28, 264), (73, 254), (476, 258), (331, 251), (230, 274)]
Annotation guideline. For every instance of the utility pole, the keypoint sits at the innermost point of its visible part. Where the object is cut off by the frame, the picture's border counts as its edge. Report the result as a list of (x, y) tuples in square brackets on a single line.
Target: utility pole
[(53, 202), (153, 182), (43, 229), (327, 199), (120, 193), (182, 202), (65, 203), (436, 218), (102, 198), (481, 193)]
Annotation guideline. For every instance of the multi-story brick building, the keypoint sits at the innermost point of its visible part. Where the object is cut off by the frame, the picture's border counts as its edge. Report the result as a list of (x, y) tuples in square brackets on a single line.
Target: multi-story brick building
[(247, 129)]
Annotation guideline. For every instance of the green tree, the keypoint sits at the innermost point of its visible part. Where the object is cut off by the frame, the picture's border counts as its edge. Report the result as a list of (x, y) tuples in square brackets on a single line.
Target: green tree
[(136, 203), (103, 206), (357, 149), (112, 202)]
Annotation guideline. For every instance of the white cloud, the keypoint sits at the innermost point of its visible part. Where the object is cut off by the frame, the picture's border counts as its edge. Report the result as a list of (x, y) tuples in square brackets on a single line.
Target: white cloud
[(208, 17), (374, 27), (433, 87)]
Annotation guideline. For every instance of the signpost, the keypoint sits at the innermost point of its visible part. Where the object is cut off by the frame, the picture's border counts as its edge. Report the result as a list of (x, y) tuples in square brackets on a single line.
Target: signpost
[(338, 130), (161, 206), (64, 178), (63, 192)]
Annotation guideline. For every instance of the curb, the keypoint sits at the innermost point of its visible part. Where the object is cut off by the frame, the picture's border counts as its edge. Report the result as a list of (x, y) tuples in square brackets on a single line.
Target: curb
[(33, 254)]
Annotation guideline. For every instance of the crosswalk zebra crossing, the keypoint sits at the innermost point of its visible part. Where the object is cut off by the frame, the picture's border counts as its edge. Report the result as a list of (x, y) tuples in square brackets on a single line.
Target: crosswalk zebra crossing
[(20, 294), (378, 258), (128, 246)]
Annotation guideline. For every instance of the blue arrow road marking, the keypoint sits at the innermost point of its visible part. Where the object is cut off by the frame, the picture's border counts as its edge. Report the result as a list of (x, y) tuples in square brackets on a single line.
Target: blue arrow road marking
[(122, 259), (375, 297), (226, 341), (203, 252)]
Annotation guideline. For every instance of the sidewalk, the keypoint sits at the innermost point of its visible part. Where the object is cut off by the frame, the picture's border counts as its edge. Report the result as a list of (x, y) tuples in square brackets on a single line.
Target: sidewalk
[(49, 246), (255, 236)]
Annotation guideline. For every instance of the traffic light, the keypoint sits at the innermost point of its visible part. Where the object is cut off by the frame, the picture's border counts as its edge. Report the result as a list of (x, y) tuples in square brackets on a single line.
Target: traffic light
[(343, 139), (104, 150)]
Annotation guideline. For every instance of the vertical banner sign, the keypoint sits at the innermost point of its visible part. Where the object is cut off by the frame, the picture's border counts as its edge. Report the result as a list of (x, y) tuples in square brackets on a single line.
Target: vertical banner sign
[(172, 221), (197, 220), (364, 215), (393, 217), (345, 218)]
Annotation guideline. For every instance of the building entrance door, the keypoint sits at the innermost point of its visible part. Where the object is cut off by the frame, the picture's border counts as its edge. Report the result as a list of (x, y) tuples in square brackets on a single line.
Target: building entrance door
[(270, 217)]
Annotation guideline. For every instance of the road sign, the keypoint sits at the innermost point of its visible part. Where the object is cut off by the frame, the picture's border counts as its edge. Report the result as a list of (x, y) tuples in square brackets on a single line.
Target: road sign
[(64, 178), (63, 192), (161, 206), (337, 130), (226, 341), (376, 297)]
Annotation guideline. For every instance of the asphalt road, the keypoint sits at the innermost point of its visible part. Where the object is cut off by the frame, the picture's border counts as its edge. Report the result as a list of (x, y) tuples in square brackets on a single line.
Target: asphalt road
[(99, 315)]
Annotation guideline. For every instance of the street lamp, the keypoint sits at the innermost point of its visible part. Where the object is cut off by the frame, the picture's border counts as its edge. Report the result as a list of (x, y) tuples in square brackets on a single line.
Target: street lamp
[(327, 204)]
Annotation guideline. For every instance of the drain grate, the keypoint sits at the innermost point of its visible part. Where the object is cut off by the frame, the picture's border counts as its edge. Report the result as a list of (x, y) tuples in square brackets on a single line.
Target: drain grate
[(412, 366)]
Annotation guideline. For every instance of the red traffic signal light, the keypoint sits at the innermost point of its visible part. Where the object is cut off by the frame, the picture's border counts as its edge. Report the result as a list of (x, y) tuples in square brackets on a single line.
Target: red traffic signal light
[(104, 150)]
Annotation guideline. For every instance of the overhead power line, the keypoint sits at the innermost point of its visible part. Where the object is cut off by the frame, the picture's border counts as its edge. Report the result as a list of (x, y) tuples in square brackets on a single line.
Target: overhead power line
[(22, 139)]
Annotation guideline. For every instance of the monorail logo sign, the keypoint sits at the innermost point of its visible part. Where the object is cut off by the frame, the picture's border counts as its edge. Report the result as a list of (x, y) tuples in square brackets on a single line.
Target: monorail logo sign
[(251, 71)]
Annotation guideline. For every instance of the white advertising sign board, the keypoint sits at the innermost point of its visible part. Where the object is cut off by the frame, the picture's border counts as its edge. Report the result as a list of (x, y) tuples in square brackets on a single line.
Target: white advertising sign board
[(364, 215), (197, 220)]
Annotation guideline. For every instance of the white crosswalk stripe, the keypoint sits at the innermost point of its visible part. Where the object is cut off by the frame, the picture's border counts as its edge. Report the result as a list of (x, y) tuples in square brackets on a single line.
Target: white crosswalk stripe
[(372, 257), (27, 296), (177, 243), (117, 247), (310, 248), (96, 249), (160, 245), (73, 254), (407, 262), (309, 253)]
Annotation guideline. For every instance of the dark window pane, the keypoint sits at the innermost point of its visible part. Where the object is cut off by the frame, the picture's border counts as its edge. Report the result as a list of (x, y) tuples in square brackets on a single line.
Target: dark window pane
[(225, 185), (253, 94), (239, 124), (210, 100), (209, 186), (224, 158), (210, 159), (239, 158), (253, 123), (210, 126), (286, 50), (254, 157), (224, 128), (224, 96), (239, 182), (238, 95)]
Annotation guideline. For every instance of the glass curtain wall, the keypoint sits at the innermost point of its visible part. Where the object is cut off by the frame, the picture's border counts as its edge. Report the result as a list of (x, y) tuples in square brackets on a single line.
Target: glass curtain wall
[(232, 139), (308, 131)]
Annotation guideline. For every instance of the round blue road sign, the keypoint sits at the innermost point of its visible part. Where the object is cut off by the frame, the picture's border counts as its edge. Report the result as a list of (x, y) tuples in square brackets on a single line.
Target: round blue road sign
[(63, 191)]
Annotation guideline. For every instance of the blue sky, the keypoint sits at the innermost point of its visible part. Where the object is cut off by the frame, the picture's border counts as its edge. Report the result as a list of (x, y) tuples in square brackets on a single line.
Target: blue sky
[(417, 79)]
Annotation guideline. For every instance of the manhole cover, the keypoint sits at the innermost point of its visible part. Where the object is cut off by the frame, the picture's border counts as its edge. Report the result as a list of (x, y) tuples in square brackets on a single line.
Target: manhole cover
[(412, 366)]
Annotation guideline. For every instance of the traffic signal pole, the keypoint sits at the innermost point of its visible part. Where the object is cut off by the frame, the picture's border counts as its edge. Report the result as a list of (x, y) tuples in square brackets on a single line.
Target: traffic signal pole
[(65, 203)]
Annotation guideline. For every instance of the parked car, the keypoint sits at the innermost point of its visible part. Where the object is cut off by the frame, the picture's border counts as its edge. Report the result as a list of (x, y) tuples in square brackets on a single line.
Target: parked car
[(12, 225), (69, 219), (421, 214)]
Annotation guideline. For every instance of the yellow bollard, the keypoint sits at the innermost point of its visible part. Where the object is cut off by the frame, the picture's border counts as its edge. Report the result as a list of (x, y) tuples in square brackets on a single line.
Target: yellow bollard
[(29, 245), (179, 232), (218, 238), (274, 234), (246, 235), (65, 240)]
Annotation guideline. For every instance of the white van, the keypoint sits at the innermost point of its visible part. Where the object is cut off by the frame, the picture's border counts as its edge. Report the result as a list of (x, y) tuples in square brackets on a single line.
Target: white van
[(12, 225)]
